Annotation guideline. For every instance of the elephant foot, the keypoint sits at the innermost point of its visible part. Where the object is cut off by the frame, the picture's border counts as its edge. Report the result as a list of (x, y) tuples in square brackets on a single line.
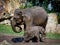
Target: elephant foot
[(41, 40)]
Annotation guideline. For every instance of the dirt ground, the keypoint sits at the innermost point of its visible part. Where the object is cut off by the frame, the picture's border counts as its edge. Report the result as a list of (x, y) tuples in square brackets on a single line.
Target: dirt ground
[(46, 41)]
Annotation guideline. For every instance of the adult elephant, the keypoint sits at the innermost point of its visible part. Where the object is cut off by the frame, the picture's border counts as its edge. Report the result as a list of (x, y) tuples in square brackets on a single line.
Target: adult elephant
[(34, 16)]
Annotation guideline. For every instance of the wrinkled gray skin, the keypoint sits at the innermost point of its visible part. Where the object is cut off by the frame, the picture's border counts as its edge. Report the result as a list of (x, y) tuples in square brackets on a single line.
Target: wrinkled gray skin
[(34, 31), (35, 16)]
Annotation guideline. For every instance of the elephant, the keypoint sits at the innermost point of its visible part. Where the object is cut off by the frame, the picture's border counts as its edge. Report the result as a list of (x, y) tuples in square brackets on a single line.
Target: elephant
[(36, 33), (34, 16)]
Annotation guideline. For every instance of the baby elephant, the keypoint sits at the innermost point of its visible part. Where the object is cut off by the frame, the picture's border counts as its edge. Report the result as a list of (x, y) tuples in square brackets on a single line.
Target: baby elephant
[(35, 33)]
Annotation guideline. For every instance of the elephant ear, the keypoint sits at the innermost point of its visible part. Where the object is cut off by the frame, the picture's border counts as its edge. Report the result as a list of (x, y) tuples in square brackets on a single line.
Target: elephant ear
[(24, 18)]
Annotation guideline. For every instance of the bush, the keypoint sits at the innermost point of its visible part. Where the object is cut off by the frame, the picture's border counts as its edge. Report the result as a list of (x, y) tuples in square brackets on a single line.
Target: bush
[(22, 6), (26, 5), (53, 35), (58, 18)]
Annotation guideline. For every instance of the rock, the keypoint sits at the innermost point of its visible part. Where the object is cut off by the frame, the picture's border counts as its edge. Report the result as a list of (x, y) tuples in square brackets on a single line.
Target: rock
[(7, 22), (58, 29), (4, 43), (8, 6), (51, 23)]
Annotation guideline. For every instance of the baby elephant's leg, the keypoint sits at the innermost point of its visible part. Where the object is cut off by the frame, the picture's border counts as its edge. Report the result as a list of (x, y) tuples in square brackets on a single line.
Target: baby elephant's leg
[(27, 36), (37, 36), (42, 34)]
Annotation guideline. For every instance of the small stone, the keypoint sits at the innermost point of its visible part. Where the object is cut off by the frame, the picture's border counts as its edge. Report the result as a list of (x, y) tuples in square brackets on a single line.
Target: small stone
[(5, 43)]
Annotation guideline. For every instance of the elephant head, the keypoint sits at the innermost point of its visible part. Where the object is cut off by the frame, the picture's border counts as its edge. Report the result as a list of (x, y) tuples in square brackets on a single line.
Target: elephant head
[(17, 21)]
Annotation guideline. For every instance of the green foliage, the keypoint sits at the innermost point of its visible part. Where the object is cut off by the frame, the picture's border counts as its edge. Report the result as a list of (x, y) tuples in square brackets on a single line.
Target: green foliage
[(6, 29), (55, 5), (53, 35), (28, 5), (58, 15), (58, 18), (45, 5), (22, 6)]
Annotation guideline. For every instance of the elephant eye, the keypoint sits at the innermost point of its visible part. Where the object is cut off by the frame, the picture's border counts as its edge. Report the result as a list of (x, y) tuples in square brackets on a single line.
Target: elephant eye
[(4, 13), (18, 14)]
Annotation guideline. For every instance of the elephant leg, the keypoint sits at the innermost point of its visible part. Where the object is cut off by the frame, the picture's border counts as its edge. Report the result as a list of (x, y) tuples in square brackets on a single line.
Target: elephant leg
[(26, 37), (37, 38), (40, 38), (26, 40)]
